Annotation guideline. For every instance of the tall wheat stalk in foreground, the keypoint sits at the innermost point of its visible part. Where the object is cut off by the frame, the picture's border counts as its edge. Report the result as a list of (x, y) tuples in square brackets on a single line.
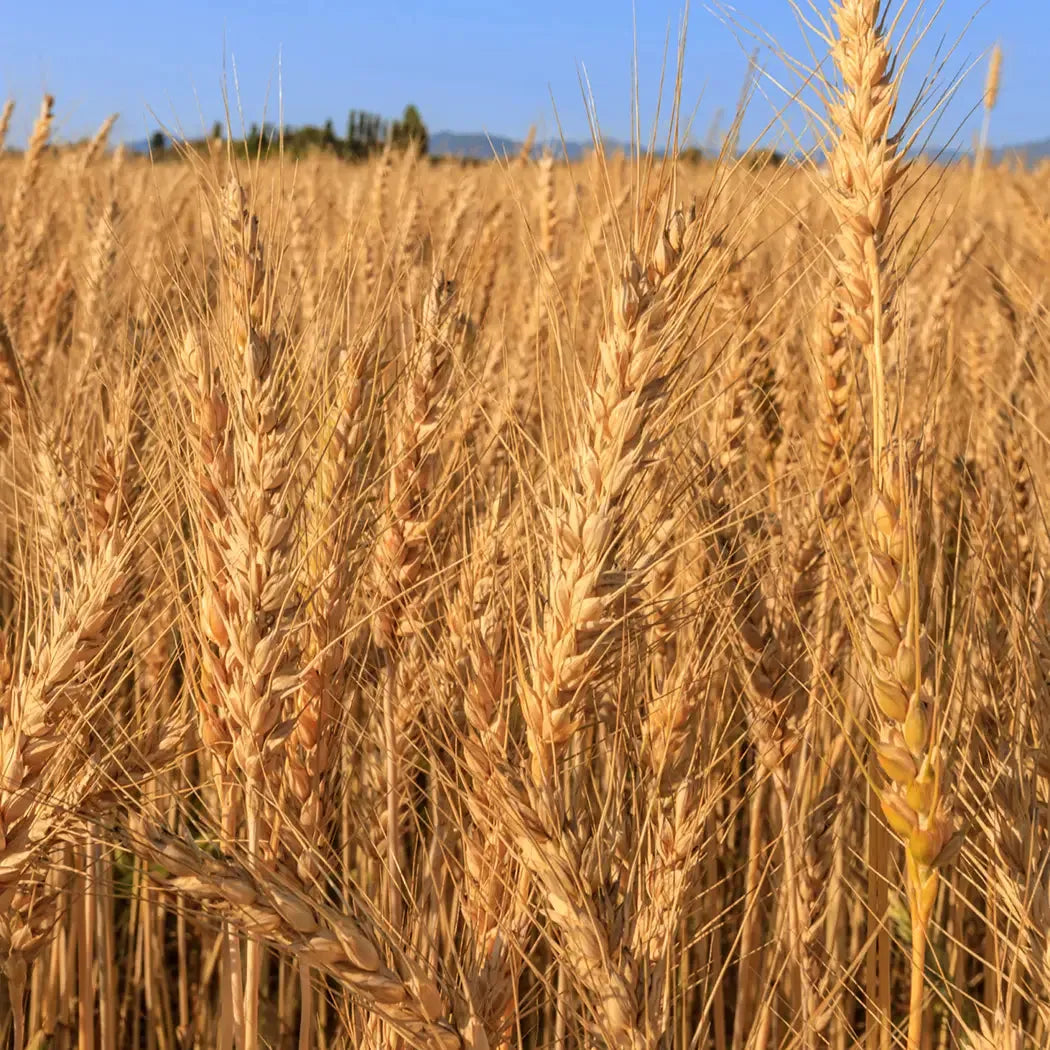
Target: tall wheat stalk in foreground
[(867, 168)]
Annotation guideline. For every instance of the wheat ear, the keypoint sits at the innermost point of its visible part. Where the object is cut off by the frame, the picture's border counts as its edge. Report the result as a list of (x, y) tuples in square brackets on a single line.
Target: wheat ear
[(867, 164), (281, 913), (261, 577), (401, 552), (586, 595), (5, 120), (17, 220), (46, 697)]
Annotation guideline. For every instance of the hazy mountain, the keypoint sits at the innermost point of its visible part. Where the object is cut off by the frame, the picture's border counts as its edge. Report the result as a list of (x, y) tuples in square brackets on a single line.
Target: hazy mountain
[(479, 145), (476, 144), (484, 147), (1028, 152)]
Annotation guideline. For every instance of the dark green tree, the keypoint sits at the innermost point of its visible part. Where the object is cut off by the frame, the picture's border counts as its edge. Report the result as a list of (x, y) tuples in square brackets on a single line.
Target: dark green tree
[(157, 142), (410, 130), (373, 131)]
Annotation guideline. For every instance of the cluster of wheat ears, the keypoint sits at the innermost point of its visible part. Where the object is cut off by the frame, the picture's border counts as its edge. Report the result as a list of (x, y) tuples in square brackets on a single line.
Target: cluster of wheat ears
[(526, 605)]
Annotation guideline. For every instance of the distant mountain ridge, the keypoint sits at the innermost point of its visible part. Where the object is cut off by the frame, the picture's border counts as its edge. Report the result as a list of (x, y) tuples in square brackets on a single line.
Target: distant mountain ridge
[(483, 147), (480, 146), (1029, 152)]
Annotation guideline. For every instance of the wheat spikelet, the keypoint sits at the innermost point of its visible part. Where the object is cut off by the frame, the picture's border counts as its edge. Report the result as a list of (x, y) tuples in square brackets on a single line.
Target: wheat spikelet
[(585, 595), (331, 572), (47, 695), (936, 328), (97, 145), (866, 165), (5, 120), (284, 916), (17, 230), (917, 802), (993, 80)]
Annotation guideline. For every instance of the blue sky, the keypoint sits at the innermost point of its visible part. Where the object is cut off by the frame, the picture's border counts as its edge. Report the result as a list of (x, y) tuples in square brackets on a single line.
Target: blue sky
[(469, 65)]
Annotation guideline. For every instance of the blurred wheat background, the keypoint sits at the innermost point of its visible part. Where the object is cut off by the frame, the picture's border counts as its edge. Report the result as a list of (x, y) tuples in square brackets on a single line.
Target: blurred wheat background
[(526, 604)]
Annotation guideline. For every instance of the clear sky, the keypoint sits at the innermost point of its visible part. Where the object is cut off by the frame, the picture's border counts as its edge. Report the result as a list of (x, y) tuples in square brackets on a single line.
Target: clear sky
[(469, 65)]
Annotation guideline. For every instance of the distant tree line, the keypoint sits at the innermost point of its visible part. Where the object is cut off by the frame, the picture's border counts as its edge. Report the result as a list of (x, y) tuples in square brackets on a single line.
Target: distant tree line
[(366, 133)]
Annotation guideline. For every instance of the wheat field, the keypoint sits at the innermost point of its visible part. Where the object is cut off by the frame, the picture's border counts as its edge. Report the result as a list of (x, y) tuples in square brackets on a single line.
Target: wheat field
[(526, 604)]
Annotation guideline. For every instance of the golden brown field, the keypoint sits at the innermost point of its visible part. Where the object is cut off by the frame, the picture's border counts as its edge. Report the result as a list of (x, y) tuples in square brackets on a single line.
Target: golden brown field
[(525, 605)]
